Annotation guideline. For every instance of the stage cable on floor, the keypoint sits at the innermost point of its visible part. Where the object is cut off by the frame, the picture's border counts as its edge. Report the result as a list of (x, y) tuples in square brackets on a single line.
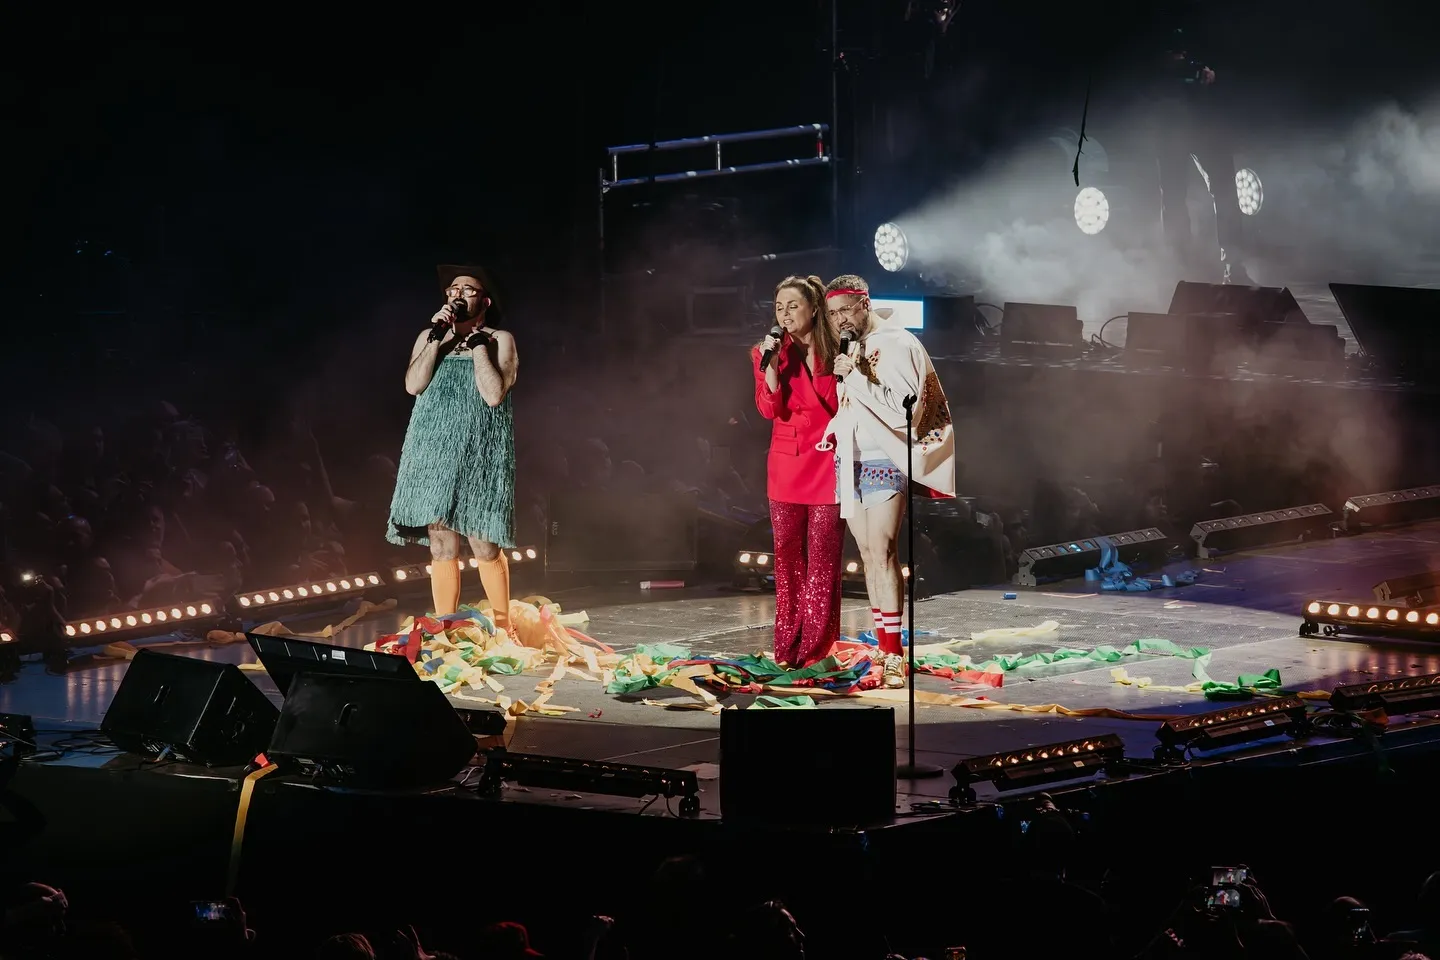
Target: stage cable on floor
[(242, 813)]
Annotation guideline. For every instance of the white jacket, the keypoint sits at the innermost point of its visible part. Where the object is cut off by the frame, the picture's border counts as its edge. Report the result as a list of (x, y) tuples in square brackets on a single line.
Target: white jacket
[(891, 364)]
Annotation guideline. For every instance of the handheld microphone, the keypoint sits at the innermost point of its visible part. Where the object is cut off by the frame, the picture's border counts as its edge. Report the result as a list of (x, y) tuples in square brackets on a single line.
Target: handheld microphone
[(845, 340), (777, 332), (437, 330)]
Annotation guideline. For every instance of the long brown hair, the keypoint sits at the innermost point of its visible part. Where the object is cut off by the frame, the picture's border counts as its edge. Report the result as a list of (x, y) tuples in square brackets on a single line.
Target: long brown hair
[(825, 340)]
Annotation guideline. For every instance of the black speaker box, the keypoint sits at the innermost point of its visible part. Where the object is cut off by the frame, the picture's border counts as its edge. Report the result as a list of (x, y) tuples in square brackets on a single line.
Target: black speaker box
[(1256, 304), (370, 731), (832, 767), (201, 711), (622, 532)]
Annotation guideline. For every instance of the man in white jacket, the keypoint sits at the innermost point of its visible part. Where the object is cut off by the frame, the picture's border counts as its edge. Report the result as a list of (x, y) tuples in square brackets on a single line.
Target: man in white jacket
[(886, 366)]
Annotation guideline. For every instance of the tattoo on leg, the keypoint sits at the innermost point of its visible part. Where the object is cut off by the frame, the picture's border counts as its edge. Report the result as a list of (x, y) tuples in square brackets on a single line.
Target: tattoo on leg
[(484, 549), (444, 544)]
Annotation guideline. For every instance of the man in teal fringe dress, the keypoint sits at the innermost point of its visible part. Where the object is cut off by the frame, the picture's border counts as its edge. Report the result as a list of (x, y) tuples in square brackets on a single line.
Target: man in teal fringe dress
[(457, 468)]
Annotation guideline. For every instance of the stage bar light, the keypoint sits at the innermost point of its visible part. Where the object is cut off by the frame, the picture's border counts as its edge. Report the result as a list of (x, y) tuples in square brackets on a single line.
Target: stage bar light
[(589, 776), (6, 636), (1058, 561), (1375, 618), (151, 621), (311, 591), (1396, 696), (1392, 508), (1017, 769), (1266, 528), (1257, 720), (421, 571), (1416, 590)]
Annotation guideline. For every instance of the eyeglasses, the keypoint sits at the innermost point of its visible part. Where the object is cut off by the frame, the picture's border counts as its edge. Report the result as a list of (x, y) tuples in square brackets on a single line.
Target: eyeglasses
[(848, 309), (465, 291)]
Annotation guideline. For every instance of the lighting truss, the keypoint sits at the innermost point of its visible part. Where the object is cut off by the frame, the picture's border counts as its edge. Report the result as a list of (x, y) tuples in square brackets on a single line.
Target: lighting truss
[(1016, 769), (1257, 720), (309, 592), (150, 621), (1329, 617), (1397, 696), (815, 132), (421, 571)]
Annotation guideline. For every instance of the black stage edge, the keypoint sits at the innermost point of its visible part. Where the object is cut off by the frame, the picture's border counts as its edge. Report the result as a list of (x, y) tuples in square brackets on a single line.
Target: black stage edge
[(133, 834)]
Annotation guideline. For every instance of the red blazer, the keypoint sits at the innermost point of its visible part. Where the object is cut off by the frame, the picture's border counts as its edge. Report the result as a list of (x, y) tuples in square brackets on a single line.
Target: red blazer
[(799, 412)]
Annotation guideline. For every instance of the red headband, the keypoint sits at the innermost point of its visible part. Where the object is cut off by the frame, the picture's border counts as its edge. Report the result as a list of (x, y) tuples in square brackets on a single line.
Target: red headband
[(845, 292)]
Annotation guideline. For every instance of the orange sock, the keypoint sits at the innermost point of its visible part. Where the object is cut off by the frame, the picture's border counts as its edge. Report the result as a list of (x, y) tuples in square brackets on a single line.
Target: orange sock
[(445, 586), (495, 578)]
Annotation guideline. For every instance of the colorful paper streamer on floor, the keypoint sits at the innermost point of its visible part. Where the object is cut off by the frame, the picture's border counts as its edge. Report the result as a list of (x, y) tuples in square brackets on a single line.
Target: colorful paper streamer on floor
[(466, 655)]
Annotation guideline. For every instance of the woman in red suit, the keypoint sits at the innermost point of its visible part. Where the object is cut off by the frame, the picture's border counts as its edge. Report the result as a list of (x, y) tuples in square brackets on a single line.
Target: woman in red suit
[(795, 391)]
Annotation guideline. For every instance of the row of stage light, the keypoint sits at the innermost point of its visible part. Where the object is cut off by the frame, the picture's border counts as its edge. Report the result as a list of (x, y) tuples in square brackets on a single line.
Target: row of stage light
[(1091, 210), (758, 565), (1264, 718), (208, 612), (1211, 538)]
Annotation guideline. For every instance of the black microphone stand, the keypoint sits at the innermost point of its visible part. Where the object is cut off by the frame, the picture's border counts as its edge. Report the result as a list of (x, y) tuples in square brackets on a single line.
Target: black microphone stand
[(911, 770)]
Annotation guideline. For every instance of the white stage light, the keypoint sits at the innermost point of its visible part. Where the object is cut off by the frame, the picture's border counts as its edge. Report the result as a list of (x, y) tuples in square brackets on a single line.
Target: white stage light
[(1249, 191), (1092, 211), (891, 247)]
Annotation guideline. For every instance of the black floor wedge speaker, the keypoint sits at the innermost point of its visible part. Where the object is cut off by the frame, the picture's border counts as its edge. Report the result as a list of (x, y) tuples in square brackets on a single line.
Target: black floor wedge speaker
[(198, 710), (368, 731), (830, 767)]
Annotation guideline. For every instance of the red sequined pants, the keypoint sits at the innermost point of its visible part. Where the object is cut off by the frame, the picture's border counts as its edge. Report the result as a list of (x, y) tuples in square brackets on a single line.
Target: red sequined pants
[(808, 541)]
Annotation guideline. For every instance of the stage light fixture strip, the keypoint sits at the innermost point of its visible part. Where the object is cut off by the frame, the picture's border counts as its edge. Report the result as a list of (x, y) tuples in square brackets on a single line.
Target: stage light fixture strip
[(308, 591), (141, 619), (1266, 708), (1371, 613), (1050, 752)]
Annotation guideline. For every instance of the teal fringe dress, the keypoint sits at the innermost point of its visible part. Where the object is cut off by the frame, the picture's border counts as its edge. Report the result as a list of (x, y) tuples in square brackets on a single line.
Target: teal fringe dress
[(457, 467)]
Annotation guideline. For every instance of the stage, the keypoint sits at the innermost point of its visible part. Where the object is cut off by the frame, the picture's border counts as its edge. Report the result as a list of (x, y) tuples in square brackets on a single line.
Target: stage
[(101, 810)]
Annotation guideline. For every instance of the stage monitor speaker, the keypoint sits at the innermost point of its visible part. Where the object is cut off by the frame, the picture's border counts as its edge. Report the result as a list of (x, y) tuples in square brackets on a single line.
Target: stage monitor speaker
[(1263, 529), (1196, 343), (197, 711), (840, 772), (1256, 304), (1395, 326), (952, 324), (370, 732), (622, 532), (1059, 561), (1041, 330), (1284, 346)]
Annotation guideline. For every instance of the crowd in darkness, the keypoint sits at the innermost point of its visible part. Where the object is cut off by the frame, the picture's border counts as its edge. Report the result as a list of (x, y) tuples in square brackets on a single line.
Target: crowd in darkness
[(684, 903)]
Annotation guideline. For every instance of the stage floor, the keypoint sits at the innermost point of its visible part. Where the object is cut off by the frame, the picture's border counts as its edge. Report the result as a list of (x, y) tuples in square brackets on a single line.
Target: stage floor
[(1244, 608)]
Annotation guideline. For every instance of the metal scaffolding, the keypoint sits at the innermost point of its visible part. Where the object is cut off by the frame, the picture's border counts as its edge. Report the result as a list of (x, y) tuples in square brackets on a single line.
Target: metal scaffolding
[(611, 179)]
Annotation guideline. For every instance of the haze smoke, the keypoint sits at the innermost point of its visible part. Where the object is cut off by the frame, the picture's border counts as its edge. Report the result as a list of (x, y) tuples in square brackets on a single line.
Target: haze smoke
[(1350, 199), (1011, 232)]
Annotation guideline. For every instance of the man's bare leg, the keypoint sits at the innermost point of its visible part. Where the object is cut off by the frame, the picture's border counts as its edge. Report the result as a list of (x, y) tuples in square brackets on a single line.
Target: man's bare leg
[(886, 584)]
